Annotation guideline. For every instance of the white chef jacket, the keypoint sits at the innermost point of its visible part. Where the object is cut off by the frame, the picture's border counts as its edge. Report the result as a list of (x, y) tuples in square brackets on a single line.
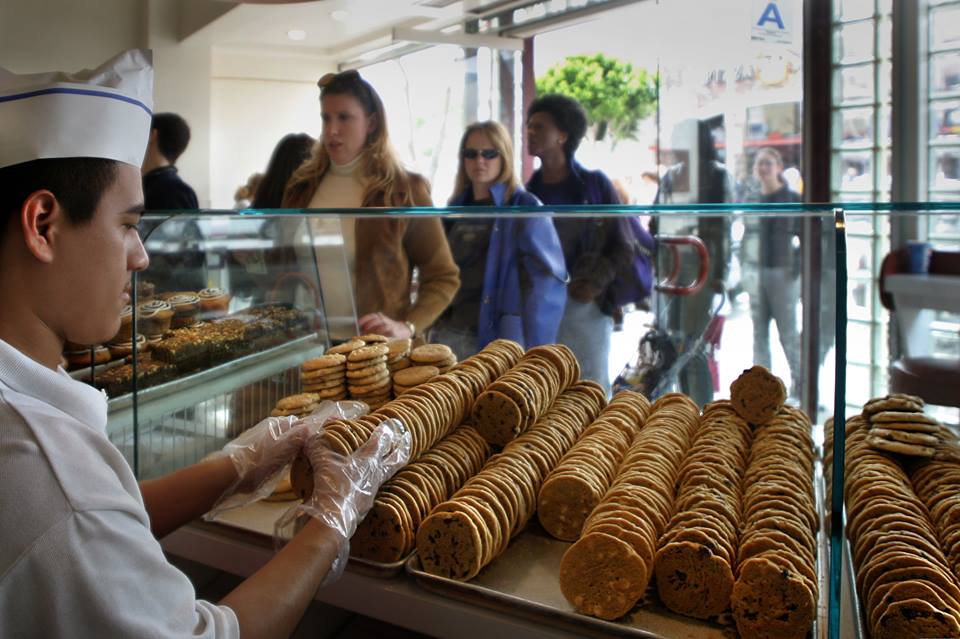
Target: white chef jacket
[(77, 558)]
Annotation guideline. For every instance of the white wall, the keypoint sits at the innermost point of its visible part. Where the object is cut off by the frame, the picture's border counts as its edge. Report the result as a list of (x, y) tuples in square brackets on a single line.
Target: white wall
[(182, 85), (255, 100), (41, 35)]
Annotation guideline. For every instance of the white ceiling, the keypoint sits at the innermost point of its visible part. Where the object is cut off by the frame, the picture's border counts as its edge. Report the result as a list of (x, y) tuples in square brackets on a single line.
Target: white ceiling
[(340, 30)]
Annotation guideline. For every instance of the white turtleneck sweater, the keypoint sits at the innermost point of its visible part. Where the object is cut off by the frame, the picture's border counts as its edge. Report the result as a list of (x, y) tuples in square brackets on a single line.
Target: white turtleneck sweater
[(342, 188)]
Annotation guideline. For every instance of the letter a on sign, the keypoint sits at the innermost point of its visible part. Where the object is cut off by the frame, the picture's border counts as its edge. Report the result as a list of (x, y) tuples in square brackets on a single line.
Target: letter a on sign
[(772, 21)]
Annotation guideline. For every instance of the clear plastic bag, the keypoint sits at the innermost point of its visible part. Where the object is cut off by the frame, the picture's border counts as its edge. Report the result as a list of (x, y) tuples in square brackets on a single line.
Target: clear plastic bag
[(344, 487), (263, 453)]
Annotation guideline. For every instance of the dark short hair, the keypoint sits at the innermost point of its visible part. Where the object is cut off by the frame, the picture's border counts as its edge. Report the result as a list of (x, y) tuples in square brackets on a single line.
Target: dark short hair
[(292, 151), (173, 135), (77, 183), (567, 114)]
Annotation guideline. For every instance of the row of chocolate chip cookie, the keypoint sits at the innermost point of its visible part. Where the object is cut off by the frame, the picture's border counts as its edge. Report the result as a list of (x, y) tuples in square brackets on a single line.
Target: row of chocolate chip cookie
[(388, 532), (515, 401), (574, 488), (697, 553), (898, 425), (904, 583), (606, 572), (775, 594), (465, 533)]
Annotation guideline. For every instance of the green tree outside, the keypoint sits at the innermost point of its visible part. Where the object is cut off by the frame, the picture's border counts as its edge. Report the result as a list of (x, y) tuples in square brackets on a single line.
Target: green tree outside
[(615, 95)]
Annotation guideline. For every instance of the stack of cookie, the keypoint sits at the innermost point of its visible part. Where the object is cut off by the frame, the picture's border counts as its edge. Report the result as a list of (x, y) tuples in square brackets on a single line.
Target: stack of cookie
[(407, 378), (776, 589), (496, 358), (299, 405), (904, 582), (325, 376), (898, 425), (464, 534), (398, 355), (696, 557), (937, 484), (368, 379), (606, 572), (438, 355), (757, 395), (388, 532), (574, 488), (515, 401)]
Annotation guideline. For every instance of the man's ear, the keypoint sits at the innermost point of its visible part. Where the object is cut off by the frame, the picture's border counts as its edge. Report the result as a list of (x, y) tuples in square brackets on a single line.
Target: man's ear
[(40, 218)]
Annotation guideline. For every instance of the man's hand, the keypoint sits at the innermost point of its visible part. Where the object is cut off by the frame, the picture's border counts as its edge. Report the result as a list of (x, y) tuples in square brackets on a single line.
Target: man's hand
[(344, 487)]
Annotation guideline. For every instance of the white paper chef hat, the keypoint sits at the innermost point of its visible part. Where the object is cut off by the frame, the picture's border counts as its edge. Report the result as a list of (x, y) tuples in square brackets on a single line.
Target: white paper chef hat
[(99, 113)]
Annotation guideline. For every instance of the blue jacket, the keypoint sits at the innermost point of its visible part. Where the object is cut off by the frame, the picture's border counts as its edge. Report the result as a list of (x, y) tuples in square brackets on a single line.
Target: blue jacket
[(530, 245)]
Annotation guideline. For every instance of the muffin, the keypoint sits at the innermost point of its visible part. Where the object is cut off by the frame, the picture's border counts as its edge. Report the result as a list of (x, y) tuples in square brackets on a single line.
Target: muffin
[(145, 291), (80, 358), (126, 324), (186, 307), (154, 318), (214, 301), (119, 349)]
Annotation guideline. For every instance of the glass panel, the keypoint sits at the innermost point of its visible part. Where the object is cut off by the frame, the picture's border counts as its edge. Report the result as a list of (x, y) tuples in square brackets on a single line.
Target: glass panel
[(860, 257), (945, 28), (945, 228), (945, 169), (855, 42), (945, 121), (855, 9), (859, 333), (856, 84), (944, 73), (855, 127), (855, 170), (859, 385)]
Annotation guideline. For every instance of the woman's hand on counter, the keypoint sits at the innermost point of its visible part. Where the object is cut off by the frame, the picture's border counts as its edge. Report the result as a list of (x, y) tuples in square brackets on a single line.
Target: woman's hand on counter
[(380, 324)]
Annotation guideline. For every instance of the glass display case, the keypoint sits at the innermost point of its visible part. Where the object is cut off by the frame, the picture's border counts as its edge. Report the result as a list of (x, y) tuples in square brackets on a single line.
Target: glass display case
[(233, 303)]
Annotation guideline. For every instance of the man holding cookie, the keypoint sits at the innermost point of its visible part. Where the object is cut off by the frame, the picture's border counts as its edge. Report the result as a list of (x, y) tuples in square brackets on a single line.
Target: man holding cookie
[(78, 536)]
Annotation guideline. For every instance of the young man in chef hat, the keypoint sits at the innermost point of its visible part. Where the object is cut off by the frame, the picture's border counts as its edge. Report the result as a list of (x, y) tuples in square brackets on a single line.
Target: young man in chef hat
[(78, 537)]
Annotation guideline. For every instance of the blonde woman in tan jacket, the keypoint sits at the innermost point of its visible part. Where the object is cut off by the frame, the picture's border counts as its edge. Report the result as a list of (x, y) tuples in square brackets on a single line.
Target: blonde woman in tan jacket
[(352, 166)]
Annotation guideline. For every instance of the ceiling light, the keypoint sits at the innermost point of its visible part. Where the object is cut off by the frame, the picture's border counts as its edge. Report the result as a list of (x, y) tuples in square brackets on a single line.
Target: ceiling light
[(340, 15), (297, 34)]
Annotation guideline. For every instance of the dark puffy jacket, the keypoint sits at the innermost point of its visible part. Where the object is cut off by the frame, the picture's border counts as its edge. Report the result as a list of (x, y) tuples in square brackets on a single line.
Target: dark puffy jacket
[(525, 280)]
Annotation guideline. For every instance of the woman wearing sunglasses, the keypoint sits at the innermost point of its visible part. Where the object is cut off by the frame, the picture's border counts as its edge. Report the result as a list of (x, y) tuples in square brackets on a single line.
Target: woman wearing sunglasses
[(513, 278), (354, 166)]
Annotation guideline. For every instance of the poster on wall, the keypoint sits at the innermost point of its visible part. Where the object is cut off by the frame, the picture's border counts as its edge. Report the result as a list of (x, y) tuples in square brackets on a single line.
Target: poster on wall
[(772, 21)]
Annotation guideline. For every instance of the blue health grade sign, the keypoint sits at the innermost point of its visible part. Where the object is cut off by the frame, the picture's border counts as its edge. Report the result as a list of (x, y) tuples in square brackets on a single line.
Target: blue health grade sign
[(772, 21)]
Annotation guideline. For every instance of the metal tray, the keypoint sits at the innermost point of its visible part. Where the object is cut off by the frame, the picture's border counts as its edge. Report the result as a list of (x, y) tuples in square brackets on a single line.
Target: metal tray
[(525, 581)]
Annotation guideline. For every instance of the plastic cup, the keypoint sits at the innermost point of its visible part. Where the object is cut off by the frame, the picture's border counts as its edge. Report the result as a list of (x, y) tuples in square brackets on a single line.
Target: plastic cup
[(918, 256)]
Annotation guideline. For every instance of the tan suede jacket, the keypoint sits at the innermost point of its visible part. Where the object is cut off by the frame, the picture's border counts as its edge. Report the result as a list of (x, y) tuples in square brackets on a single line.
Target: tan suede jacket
[(388, 248)]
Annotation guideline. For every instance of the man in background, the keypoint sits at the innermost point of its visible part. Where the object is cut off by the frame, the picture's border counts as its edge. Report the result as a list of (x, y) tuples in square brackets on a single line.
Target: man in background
[(163, 188)]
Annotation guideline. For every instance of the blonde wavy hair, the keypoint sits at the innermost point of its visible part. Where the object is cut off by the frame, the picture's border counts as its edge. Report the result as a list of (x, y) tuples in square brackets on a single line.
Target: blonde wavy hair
[(387, 182), (500, 139)]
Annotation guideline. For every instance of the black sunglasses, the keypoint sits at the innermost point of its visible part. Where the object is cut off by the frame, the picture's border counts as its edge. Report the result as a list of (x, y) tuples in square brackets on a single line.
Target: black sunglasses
[(486, 154)]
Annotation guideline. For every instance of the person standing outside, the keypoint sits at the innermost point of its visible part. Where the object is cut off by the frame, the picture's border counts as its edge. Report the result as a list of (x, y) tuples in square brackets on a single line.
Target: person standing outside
[(778, 287), (355, 166), (79, 550), (513, 278), (594, 249)]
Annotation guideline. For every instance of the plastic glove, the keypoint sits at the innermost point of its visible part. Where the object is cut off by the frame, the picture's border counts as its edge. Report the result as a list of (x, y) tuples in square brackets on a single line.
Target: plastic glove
[(262, 454), (344, 487)]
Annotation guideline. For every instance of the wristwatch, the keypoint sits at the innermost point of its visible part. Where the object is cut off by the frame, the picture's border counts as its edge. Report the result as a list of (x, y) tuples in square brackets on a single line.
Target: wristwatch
[(413, 329)]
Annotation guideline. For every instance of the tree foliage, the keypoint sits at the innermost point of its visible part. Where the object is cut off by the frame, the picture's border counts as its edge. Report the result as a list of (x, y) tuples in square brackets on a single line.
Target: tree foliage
[(615, 95)]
